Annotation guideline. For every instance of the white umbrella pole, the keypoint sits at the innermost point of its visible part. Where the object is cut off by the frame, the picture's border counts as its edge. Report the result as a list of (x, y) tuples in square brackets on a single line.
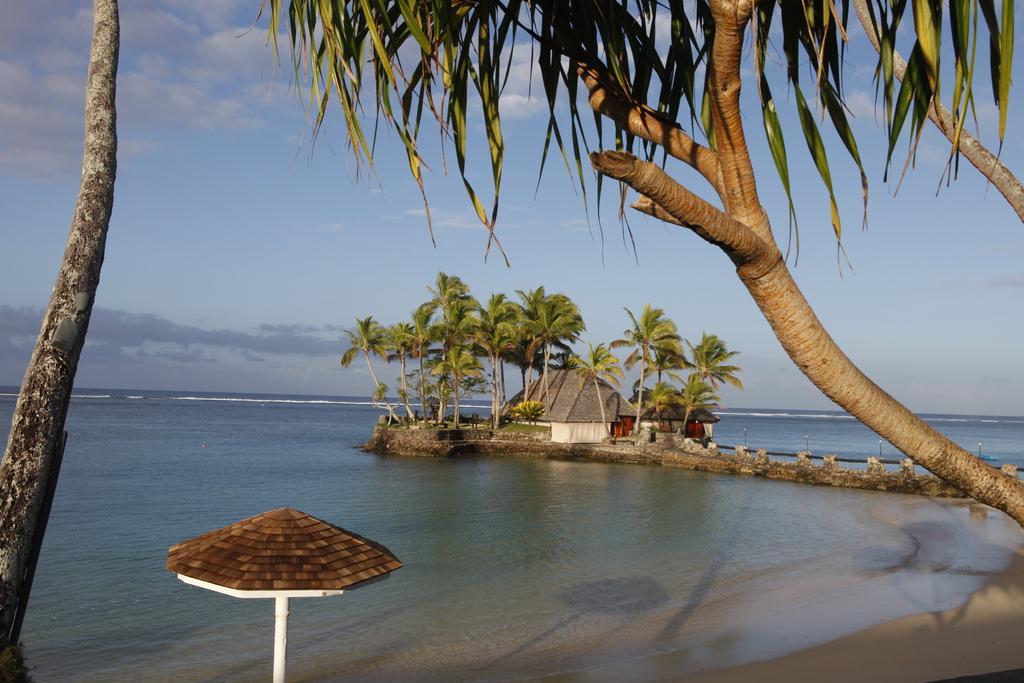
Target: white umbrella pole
[(280, 637)]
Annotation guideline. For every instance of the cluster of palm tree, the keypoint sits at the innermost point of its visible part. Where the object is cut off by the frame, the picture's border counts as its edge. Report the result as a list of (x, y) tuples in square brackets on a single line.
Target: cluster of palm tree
[(656, 346), (450, 334), (449, 337)]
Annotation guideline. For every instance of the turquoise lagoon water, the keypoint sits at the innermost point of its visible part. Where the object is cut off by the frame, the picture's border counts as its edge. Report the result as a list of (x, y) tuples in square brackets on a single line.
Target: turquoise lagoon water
[(514, 568)]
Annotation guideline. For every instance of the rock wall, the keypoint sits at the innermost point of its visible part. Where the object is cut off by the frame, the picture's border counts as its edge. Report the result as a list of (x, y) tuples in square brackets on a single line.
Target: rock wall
[(668, 451)]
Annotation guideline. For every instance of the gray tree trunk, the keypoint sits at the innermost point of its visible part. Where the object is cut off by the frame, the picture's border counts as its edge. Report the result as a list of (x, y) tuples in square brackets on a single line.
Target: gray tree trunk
[(42, 405)]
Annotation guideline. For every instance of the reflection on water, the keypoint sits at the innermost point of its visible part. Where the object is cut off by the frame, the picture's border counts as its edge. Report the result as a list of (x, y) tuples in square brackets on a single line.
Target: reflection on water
[(513, 568)]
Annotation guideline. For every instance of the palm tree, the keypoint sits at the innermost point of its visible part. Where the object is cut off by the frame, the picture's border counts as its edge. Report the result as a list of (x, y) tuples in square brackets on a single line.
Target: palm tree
[(496, 335), (400, 340), (648, 333), (667, 360), (447, 290), (696, 395), (598, 365), (458, 365), (37, 425), (554, 319), (619, 60), (423, 334), (563, 359), (662, 397), (369, 337), (456, 328), (529, 344), (710, 358)]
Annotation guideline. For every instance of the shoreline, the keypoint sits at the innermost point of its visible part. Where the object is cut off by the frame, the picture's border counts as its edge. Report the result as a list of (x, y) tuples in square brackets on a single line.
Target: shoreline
[(971, 633), (977, 632), (668, 450), (981, 636)]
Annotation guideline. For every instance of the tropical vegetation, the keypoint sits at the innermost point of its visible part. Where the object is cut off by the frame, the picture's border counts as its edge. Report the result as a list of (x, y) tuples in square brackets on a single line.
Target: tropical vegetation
[(667, 76), (452, 336)]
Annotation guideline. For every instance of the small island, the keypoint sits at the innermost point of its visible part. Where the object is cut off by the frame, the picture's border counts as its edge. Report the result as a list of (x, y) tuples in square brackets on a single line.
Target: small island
[(574, 409)]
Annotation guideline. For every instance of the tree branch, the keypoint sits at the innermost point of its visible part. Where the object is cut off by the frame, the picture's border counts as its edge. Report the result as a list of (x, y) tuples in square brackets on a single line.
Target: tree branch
[(741, 200), (978, 154), (712, 224), (608, 99)]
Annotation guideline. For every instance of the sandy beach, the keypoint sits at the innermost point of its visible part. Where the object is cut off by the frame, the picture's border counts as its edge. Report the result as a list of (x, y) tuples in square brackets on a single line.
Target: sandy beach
[(984, 635)]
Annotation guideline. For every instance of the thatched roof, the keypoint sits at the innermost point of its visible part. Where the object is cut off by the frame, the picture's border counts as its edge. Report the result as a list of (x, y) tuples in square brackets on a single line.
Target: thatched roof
[(674, 413), (283, 549), (567, 401)]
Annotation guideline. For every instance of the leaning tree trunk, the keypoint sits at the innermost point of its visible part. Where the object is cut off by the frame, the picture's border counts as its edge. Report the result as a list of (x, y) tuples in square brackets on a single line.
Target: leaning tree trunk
[(743, 232), (376, 386), (547, 362), (600, 403), (38, 421), (639, 398), (405, 387)]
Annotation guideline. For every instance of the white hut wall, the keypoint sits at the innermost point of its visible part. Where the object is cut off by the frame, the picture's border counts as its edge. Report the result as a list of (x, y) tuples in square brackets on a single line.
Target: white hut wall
[(578, 432)]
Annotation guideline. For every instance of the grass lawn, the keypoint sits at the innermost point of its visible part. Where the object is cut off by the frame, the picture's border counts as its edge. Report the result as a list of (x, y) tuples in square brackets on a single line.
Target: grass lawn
[(517, 427)]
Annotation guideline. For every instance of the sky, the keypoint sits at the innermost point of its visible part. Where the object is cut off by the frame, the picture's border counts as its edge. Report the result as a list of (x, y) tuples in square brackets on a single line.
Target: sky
[(239, 251)]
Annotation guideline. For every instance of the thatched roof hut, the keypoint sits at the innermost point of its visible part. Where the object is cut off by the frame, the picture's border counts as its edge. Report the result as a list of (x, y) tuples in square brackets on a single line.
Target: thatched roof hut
[(568, 401)]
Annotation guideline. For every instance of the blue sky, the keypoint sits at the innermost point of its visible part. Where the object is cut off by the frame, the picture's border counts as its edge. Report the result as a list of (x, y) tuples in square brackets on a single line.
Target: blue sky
[(238, 254)]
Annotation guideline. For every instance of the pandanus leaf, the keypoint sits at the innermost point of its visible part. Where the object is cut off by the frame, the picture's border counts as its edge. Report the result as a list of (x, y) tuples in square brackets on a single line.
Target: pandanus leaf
[(817, 149)]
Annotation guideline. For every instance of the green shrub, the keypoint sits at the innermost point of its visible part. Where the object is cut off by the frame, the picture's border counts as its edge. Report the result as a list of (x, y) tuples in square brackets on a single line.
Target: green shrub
[(530, 411), (12, 665)]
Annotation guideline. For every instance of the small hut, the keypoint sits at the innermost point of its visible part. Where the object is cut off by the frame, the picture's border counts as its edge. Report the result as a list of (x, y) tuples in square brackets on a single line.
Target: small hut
[(699, 425), (572, 408)]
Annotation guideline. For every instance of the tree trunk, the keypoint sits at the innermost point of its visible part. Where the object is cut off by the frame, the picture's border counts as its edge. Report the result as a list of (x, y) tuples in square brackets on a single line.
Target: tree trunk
[(376, 384), (405, 387), (495, 388), (640, 396), (743, 232), (818, 356), (456, 402), (423, 390), (502, 366), (600, 403), (38, 420), (547, 362)]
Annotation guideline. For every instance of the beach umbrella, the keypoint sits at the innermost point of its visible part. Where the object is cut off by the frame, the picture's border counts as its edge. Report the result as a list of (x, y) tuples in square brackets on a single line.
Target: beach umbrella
[(280, 554)]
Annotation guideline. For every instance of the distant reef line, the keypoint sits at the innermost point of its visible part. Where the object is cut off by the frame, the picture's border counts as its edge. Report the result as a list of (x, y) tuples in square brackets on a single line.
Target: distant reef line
[(666, 450)]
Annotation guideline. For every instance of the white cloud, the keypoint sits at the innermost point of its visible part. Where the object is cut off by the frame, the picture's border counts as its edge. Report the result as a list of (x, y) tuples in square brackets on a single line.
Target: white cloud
[(523, 95), (448, 219), (174, 73), (860, 103)]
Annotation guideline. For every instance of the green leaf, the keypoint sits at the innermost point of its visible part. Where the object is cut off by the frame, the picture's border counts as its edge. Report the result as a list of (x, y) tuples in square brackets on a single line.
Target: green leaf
[(928, 24), (777, 145), (818, 154), (834, 107)]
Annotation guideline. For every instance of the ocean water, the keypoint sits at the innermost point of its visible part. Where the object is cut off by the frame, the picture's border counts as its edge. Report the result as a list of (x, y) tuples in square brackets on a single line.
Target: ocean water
[(514, 568)]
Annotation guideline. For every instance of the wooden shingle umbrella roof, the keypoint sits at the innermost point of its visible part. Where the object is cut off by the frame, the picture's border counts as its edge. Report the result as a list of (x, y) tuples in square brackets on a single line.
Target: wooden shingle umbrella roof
[(280, 550), (280, 554)]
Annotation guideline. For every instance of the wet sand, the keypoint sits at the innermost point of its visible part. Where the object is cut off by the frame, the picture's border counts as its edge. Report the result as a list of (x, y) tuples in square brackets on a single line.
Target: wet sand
[(951, 605), (986, 634), (983, 635)]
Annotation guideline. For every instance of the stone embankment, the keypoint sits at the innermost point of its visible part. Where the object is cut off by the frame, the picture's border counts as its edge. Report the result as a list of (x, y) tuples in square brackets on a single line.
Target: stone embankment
[(668, 450)]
